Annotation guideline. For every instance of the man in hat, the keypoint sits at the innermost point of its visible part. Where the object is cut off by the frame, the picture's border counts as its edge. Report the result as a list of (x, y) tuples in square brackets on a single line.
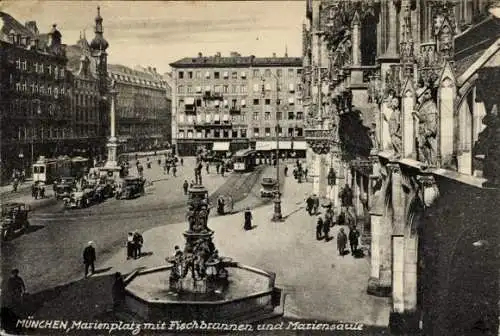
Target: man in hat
[(15, 289), (89, 258)]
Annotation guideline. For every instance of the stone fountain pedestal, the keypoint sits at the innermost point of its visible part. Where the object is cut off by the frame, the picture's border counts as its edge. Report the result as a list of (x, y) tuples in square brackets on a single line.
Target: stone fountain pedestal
[(198, 284)]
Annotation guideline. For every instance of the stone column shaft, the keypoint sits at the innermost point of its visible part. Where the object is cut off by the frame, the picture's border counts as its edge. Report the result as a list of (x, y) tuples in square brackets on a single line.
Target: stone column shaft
[(392, 48), (112, 116), (356, 44)]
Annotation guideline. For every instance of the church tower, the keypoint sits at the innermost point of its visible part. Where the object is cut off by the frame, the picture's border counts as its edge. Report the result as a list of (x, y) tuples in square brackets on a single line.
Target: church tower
[(98, 48)]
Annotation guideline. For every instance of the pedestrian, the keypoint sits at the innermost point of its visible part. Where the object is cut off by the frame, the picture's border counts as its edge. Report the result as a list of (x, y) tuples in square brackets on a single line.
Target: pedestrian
[(220, 205), (34, 192), (207, 167), (16, 289), (174, 171), (346, 197), (315, 204), (309, 205), (168, 168), (89, 258), (177, 252), (159, 161), (138, 242), (341, 241), (305, 173), (130, 245), (185, 186), (319, 228), (329, 215), (222, 170), (217, 168), (326, 229), (182, 162), (354, 239), (286, 170), (248, 219), (15, 184), (118, 292)]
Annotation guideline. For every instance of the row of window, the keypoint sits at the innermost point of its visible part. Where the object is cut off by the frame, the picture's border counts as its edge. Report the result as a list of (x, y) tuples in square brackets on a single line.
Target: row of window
[(135, 129), (236, 88), (190, 119), (190, 134), (234, 102), (39, 88), (31, 133), (40, 68), (256, 73), (136, 80)]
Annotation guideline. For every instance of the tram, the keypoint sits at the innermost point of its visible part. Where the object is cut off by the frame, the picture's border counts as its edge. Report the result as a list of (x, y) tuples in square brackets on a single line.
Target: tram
[(47, 170), (244, 160)]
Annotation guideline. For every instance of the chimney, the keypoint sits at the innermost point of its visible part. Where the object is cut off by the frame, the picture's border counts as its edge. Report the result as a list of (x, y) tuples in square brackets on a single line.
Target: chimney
[(200, 54), (154, 70), (217, 54), (274, 55), (149, 69)]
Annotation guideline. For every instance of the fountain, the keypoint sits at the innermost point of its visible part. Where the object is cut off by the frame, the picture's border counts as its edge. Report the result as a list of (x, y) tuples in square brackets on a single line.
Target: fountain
[(198, 283)]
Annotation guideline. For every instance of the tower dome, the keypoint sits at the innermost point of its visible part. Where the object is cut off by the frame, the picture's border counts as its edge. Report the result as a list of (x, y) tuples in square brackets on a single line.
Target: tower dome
[(99, 43)]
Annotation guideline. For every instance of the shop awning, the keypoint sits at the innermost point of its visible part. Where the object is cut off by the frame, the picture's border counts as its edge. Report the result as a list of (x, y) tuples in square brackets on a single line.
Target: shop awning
[(189, 101), (221, 146), (299, 145), (285, 145), (265, 145)]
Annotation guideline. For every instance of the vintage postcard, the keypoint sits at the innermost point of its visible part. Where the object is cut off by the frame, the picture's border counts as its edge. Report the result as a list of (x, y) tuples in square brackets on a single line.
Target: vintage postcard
[(306, 167)]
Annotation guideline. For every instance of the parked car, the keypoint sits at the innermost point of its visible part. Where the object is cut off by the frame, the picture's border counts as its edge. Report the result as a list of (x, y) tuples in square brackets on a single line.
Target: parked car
[(269, 187), (63, 187), (131, 187), (14, 219)]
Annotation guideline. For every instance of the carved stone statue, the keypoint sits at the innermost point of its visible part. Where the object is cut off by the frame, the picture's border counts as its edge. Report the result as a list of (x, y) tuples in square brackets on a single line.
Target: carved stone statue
[(427, 117), (395, 127)]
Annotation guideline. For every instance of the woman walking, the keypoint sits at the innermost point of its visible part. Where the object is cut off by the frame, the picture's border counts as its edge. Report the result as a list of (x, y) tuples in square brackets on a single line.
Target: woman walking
[(248, 220)]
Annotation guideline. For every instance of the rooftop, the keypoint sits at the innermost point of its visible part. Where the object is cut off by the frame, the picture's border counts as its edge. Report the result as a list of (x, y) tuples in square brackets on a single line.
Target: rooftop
[(235, 61)]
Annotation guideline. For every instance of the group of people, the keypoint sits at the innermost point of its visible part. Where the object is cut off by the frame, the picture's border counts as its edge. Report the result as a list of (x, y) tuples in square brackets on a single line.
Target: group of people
[(134, 245)]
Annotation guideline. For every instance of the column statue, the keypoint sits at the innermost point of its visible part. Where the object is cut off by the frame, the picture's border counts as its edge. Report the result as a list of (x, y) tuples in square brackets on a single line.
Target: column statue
[(427, 116), (395, 127)]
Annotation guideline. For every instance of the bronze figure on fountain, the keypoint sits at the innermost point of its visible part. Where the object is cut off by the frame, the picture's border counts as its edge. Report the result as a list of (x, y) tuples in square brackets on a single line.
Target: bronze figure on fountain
[(200, 258)]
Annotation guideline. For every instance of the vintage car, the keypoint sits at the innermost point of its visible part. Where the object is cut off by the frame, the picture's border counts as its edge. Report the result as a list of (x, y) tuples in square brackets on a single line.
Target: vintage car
[(130, 187), (269, 187), (14, 219), (63, 187)]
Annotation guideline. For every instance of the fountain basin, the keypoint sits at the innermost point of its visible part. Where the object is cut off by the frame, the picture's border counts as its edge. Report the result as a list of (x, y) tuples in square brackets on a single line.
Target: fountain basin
[(250, 295)]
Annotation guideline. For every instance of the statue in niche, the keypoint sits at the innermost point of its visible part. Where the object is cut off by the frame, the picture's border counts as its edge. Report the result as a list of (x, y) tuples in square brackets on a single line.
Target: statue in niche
[(395, 127), (487, 146), (427, 116)]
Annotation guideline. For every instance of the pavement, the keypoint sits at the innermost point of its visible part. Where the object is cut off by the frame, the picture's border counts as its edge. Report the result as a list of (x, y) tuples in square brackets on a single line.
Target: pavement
[(318, 282)]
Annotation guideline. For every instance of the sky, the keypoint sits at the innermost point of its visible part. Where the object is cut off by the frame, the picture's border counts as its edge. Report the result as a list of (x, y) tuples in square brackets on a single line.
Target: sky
[(156, 33)]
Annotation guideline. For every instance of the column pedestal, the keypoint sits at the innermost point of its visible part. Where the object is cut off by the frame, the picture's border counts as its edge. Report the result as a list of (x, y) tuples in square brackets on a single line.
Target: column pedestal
[(379, 283)]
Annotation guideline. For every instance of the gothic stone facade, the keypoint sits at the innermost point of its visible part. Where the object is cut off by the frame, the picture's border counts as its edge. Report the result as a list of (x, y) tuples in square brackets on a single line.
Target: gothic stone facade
[(427, 93)]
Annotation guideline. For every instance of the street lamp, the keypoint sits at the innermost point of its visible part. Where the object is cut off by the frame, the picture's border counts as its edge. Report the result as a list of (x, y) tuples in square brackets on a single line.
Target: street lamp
[(277, 216)]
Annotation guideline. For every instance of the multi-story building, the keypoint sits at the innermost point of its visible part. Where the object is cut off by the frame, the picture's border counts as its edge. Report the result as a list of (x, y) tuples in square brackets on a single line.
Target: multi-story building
[(35, 94), (405, 93), (237, 102), (142, 108), (89, 123)]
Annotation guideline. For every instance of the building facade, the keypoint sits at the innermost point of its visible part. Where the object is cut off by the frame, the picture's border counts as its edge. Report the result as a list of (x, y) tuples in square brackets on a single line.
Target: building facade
[(424, 97), (231, 103), (143, 108), (35, 95)]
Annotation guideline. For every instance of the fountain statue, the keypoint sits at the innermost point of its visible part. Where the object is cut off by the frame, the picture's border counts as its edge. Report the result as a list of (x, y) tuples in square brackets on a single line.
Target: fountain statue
[(199, 268), (200, 284)]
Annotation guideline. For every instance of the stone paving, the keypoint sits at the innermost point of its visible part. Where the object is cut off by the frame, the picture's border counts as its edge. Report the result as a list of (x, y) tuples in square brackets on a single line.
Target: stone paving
[(319, 283)]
